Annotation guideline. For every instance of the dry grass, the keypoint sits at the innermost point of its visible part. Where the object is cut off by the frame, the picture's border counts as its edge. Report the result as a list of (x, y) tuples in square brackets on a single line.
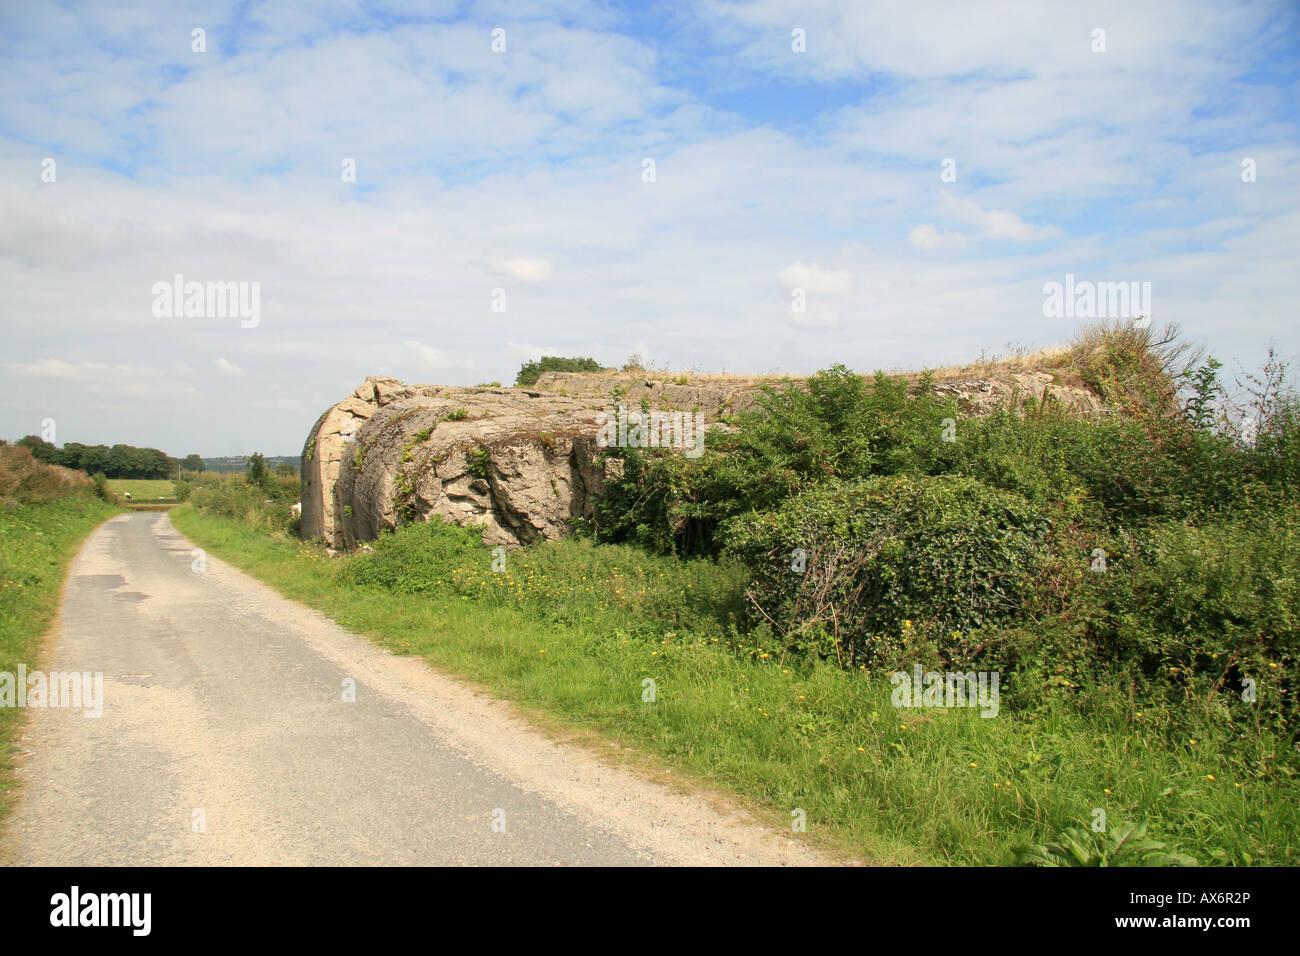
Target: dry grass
[(1044, 360), (26, 481), (1157, 358), (1134, 366)]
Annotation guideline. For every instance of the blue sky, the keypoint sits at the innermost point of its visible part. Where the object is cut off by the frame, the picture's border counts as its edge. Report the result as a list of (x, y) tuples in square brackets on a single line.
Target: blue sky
[(521, 170)]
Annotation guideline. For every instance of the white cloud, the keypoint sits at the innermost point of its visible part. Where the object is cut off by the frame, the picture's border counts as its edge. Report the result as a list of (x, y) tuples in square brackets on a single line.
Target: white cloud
[(524, 170), (228, 368), (995, 223), (52, 368), (423, 356), (104, 381), (526, 270), (813, 278), (815, 319), (927, 238)]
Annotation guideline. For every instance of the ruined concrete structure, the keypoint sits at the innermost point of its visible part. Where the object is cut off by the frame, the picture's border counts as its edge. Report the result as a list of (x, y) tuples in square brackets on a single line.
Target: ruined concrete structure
[(520, 463)]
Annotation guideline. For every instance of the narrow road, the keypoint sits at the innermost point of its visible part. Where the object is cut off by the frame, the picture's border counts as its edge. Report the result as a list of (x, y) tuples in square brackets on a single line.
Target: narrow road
[(225, 739)]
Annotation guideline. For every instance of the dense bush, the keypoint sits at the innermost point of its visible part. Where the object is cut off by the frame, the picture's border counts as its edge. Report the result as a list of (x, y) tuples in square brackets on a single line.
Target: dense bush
[(266, 506), (1200, 609), (416, 558), (530, 372), (920, 549), (855, 570), (838, 426)]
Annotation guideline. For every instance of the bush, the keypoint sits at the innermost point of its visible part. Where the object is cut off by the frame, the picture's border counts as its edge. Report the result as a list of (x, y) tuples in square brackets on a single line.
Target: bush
[(265, 507), (530, 372), (897, 568), (257, 475), (416, 558), (1192, 612), (840, 426)]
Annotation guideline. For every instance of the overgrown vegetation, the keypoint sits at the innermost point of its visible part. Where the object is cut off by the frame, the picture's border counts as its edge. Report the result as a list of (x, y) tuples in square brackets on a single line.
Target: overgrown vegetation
[(45, 513), (1132, 579), (1151, 550), (531, 371), (264, 506)]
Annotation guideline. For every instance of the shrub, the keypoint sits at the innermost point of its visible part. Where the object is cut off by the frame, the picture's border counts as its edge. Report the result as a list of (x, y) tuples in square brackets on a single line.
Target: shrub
[(890, 562), (1193, 612), (530, 372), (265, 507), (480, 460), (257, 475), (839, 426), (416, 558)]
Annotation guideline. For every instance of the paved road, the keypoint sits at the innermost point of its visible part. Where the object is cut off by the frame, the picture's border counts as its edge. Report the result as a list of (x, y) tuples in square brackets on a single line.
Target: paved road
[(225, 740)]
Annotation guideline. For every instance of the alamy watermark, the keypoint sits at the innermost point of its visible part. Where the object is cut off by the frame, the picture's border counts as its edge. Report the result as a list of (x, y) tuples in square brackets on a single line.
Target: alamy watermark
[(652, 429), (73, 689), (953, 689), (1097, 300), (179, 299)]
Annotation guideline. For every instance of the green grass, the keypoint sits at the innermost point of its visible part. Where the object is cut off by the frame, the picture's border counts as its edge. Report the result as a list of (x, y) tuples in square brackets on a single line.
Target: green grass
[(143, 489), (572, 630), (37, 544)]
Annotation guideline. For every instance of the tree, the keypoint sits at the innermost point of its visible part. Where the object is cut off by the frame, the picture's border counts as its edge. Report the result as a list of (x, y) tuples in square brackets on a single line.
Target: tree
[(40, 448), (192, 464), (285, 470), (257, 475)]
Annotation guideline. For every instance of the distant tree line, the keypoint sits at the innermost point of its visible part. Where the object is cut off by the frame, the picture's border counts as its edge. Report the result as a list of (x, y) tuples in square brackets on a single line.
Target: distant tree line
[(119, 461)]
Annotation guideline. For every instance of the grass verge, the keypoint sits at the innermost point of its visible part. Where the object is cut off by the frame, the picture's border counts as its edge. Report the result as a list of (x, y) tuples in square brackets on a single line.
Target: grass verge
[(575, 630), (37, 545)]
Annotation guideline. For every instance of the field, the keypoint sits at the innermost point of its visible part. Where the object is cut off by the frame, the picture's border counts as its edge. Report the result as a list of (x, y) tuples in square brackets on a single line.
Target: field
[(143, 489)]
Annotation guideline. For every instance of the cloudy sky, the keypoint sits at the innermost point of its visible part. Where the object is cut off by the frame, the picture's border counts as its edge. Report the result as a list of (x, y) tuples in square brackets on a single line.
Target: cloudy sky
[(131, 152)]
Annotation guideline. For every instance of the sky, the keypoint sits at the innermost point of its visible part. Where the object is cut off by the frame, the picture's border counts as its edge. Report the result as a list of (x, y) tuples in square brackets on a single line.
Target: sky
[(611, 178)]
